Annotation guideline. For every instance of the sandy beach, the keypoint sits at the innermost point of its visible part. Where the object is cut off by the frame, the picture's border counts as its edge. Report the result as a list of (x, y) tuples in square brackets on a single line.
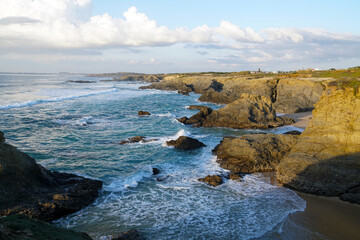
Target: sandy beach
[(301, 119)]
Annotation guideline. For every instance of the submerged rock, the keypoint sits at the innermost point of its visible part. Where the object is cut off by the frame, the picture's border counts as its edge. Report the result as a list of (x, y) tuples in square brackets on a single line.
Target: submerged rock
[(22, 227), (212, 180), (326, 159), (128, 235), (185, 143), (143, 113), (155, 171), (30, 189), (253, 153), (137, 139), (81, 81)]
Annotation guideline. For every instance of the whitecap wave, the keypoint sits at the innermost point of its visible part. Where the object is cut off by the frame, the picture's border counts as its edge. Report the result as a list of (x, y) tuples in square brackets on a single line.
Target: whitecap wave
[(56, 99)]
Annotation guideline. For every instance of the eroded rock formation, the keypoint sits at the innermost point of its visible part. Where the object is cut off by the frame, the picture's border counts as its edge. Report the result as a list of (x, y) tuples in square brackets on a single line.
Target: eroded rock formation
[(326, 159)]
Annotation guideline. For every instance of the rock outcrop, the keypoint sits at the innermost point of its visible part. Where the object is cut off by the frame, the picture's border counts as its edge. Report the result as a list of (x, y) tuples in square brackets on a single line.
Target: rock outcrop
[(22, 227), (249, 111), (212, 180), (253, 153), (29, 189), (198, 118), (294, 95), (185, 143), (326, 159)]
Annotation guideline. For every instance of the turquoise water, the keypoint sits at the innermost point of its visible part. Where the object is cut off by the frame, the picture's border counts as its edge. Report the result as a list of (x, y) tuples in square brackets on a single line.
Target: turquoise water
[(75, 128)]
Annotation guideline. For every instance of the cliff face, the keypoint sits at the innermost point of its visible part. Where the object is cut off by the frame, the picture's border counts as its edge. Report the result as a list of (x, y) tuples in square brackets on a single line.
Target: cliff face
[(253, 153), (249, 111), (30, 189), (326, 159), (294, 95), (289, 95)]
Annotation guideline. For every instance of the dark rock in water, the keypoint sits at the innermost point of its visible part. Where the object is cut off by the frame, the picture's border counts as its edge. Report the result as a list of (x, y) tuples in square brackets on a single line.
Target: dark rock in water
[(30, 189), (128, 235), (80, 81), (143, 113), (212, 180), (22, 227), (136, 139), (293, 132), (186, 93), (185, 143), (197, 107), (183, 119), (156, 171), (253, 153), (2, 138)]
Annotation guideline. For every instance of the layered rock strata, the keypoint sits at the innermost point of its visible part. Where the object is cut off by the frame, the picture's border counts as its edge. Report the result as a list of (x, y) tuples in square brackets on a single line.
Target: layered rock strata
[(254, 152), (326, 159)]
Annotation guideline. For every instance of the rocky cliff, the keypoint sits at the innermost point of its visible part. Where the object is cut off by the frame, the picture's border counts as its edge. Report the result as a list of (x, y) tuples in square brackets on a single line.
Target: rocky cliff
[(249, 111), (290, 95), (253, 153), (326, 159), (30, 189)]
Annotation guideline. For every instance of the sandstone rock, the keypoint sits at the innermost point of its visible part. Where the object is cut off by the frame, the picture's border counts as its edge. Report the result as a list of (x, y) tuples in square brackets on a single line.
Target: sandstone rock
[(294, 95), (21, 227), (249, 111), (235, 177), (326, 159), (198, 107), (143, 113), (253, 153), (30, 189), (185, 93), (198, 118), (212, 180), (185, 143)]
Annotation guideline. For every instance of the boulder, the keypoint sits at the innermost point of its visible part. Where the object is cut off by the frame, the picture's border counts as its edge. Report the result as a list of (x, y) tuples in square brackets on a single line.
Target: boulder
[(295, 95), (249, 111), (30, 189), (22, 227), (254, 152), (143, 113), (326, 159), (293, 132), (212, 180), (185, 143), (136, 139)]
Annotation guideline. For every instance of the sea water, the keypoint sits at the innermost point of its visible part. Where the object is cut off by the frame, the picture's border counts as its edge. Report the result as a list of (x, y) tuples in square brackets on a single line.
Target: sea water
[(76, 128)]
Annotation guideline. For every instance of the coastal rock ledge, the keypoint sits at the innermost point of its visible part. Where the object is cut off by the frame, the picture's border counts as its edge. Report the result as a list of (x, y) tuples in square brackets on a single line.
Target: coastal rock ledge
[(29, 189), (254, 152), (249, 111), (326, 158)]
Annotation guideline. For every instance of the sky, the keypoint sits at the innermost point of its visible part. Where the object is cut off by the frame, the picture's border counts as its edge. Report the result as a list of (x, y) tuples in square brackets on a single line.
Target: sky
[(162, 36)]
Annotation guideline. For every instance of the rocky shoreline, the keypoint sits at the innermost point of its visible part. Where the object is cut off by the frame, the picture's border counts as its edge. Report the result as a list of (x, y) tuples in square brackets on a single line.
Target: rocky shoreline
[(323, 160)]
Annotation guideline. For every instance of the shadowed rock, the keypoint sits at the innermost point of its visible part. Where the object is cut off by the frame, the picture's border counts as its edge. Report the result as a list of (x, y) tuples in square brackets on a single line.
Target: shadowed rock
[(30, 189), (212, 180), (253, 153), (128, 235), (198, 118), (198, 107), (293, 132), (22, 227), (185, 143), (326, 159)]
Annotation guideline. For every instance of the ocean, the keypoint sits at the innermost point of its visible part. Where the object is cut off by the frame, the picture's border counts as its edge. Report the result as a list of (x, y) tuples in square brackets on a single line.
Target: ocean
[(76, 128)]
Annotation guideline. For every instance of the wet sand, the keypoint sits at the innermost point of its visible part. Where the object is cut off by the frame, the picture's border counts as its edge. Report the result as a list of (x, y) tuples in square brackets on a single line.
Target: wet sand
[(302, 119), (324, 218)]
